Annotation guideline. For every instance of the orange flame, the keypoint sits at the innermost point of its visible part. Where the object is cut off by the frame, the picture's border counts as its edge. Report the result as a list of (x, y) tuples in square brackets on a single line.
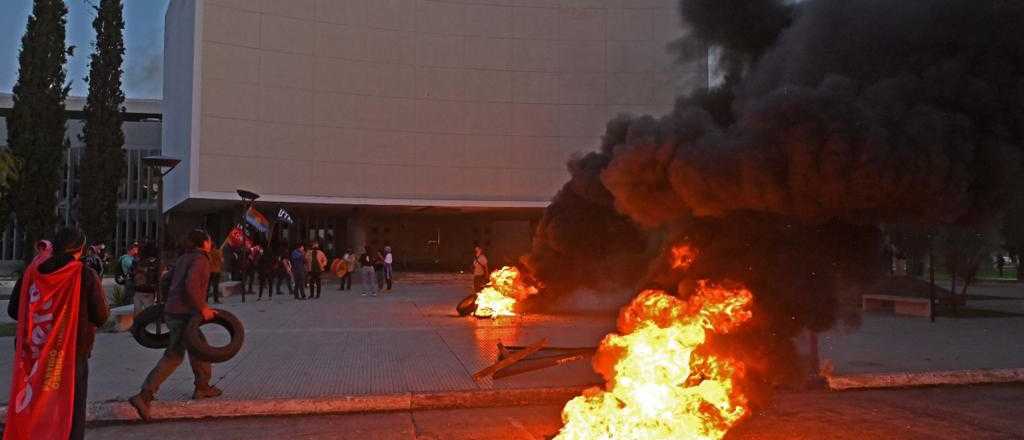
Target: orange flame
[(501, 294), (658, 387)]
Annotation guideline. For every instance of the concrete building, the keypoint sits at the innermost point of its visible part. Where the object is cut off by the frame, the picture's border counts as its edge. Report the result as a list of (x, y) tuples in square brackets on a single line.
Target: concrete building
[(137, 211), (424, 124)]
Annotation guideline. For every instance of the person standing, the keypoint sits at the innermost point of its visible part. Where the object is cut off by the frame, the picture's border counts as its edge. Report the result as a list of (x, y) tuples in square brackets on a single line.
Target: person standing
[(284, 270), (389, 260), (366, 267), (53, 406), (350, 265), (252, 256), (94, 258), (265, 268), (480, 268), (186, 297), (216, 266), (298, 259), (124, 265), (146, 276), (316, 261)]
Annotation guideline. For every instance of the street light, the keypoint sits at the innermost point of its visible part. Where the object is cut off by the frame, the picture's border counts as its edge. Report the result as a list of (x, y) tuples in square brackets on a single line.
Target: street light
[(163, 165)]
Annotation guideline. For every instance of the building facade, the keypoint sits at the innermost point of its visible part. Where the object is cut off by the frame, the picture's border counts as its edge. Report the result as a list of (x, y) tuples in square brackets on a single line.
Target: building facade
[(426, 125), (137, 212)]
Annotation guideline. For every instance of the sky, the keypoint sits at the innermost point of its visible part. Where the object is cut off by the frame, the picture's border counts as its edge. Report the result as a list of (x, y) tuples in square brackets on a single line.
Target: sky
[(143, 39)]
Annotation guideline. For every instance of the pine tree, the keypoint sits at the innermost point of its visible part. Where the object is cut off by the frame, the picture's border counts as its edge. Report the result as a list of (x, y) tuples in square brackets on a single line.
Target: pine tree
[(102, 166), (37, 123)]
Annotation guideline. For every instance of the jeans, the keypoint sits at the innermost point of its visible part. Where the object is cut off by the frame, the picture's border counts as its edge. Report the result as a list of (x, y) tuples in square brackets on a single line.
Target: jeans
[(314, 284), (300, 285), (172, 358), (346, 281), (287, 280), (369, 283), (81, 397), (388, 274)]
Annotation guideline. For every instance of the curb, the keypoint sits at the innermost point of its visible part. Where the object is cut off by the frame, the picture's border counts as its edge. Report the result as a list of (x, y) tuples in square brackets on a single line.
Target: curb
[(929, 378), (120, 411)]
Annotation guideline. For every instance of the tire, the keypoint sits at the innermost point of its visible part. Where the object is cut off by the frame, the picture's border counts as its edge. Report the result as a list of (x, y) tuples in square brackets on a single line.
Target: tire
[(467, 306), (143, 336), (197, 345)]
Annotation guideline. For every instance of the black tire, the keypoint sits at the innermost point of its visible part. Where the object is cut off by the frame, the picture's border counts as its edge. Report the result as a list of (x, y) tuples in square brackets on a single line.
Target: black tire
[(151, 315), (197, 345), (467, 306)]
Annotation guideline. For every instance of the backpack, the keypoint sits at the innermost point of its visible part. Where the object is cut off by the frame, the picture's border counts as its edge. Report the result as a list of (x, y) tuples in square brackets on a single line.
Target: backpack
[(146, 275)]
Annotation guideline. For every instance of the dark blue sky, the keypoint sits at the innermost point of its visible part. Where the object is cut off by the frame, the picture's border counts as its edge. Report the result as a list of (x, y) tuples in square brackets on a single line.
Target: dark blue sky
[(144, 36)]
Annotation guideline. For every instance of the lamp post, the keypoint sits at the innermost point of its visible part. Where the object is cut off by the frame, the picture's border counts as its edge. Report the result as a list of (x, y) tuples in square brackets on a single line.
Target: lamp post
[(163, 165)]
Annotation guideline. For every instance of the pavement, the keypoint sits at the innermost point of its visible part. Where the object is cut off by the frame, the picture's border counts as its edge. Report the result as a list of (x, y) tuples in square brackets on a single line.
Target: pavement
[(975, 412), (409, 346)]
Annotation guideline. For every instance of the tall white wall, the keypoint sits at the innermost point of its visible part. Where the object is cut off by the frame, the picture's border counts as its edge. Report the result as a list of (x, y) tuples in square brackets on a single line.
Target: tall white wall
[(471, 103), (179, 87)]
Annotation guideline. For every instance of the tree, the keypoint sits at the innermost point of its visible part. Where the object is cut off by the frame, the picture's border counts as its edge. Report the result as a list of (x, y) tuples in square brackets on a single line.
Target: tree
[(37, 123), (102, 167), (8, 174)]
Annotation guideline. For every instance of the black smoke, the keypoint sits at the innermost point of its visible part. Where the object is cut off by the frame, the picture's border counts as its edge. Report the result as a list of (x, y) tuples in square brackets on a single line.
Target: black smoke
[(846, 115)]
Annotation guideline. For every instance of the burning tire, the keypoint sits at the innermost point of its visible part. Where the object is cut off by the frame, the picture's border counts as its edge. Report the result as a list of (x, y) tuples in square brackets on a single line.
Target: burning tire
[(201, 349), (152, 315), (467, 306)]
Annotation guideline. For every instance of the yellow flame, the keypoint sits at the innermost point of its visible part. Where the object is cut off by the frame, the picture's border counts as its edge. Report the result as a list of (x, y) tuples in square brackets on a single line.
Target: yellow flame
[(658, 387), (501, 294)]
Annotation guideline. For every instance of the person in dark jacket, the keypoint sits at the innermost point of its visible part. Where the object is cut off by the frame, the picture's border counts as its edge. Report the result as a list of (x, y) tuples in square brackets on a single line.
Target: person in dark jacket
[(93, 312), (298, 260), (186, 297)]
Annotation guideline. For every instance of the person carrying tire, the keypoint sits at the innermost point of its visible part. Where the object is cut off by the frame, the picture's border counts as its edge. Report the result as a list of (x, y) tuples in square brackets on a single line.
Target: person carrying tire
[(186, 297)]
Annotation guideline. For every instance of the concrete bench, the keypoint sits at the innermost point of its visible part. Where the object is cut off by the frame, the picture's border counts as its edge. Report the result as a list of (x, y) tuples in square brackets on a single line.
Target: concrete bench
[(901, 305)]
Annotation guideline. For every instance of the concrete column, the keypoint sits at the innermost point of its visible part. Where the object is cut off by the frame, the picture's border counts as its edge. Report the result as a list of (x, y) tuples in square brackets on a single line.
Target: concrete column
[(355, 230)]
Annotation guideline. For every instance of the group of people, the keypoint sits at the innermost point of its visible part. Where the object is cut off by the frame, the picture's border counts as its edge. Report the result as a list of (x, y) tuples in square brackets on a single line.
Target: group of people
[(59, 303), (299, 269)]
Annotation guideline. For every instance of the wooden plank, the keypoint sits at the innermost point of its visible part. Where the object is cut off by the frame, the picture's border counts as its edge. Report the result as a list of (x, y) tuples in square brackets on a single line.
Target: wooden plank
[(511, 359)]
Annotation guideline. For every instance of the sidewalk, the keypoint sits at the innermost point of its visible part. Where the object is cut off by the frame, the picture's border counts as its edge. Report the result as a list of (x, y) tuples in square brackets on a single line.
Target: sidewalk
[(409, 342)]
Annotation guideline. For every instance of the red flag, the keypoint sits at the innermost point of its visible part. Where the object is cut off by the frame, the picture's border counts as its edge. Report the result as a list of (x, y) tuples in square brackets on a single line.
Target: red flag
[(236, 237), (43, 384)]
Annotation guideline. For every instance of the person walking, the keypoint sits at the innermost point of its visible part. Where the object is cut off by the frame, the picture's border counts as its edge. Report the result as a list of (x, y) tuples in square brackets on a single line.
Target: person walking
[(53, 405), (186, 297), (124, 266), (316, 261), (480, 268), (367, 277), (146, 277), (298, 260), (216, 266), (389, 260)]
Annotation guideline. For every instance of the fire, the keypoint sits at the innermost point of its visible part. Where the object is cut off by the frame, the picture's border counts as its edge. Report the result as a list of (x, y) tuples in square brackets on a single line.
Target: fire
[(658, 386), (499, 297)]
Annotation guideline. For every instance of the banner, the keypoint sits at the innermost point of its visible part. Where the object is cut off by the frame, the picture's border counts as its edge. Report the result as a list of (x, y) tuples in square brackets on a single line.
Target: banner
[(236, 237), (43, 384), (284, 217)]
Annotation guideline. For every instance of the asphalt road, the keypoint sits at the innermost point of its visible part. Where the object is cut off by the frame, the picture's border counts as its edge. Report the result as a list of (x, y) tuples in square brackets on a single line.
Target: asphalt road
[(975, 412)]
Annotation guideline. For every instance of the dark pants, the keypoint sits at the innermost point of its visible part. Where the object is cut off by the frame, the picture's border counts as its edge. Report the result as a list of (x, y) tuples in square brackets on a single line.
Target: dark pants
[(300, 285), (266, 280), (172, 358), (214, 287), (315, 285), (346, 281), (248, 279), (81, 397), (479, 281)]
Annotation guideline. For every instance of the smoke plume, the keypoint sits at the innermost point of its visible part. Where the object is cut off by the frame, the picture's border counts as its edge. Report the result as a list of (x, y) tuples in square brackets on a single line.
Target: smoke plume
[(841, 116)]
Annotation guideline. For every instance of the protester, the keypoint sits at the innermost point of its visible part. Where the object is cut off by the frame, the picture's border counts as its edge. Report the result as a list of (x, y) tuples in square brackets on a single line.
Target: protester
[(284, 271), (378, 269), (146, 278), (216, 266), (316, 262), (252, 256), (94, 258), (339, 268), (480, 268), (366, 263), (298, 260), (389, 260), (46, 406), (266, 268), (186, 297), (124, 265), (350, 266)]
